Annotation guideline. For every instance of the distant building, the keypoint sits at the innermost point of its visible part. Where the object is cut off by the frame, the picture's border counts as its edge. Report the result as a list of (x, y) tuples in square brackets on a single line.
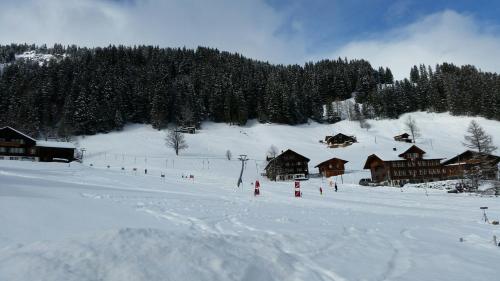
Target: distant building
[(186, 130), (288, 165), (405, 137), (470, 162), (412, 168), (15, 145), (332, 167), (339, 140)]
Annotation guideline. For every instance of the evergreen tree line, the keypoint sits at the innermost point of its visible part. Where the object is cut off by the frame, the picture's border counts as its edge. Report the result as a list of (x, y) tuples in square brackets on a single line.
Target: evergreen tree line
[(459, 90), (92, 90)]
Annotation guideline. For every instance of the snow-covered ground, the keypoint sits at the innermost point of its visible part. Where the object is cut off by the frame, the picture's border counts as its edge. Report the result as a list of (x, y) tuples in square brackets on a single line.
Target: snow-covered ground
[(81, 222)]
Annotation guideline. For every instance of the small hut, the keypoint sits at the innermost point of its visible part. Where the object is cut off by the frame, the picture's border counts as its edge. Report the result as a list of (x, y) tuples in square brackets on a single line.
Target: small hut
[(332, 167)]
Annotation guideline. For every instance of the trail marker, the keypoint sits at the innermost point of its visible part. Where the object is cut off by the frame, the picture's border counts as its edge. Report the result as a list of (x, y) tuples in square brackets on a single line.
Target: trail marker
[(297, 189), (257, 188)]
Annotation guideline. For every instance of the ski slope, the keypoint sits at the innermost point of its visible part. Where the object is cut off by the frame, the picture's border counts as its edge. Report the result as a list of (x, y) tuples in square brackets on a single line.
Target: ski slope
[(80, 222)]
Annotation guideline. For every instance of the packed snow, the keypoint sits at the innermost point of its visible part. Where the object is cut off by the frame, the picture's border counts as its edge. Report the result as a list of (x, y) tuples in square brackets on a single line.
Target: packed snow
[(103, 220)]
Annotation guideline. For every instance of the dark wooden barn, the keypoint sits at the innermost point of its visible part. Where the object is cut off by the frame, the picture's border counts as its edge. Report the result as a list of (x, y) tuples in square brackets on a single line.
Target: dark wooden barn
[(340, 140), (332, 167), (289, 165), (405, 137), (50, 151)]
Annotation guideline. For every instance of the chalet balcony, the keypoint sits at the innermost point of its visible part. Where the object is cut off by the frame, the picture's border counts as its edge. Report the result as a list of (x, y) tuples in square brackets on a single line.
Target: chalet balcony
[(11, 143)]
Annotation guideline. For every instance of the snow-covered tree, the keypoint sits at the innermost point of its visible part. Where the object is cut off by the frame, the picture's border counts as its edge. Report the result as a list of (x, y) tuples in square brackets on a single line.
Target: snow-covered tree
[(272, 152), (478, 139), (411, 125), (175, 140)]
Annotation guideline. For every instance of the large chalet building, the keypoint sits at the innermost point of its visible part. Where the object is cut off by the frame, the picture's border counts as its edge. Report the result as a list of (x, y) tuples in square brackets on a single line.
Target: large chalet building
[(289, 165), (472, 162), (411, 168), (15, 145)]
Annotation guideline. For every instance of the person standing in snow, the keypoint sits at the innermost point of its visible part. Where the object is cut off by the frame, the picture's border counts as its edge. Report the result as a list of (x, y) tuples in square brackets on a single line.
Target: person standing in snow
[(336, 187)]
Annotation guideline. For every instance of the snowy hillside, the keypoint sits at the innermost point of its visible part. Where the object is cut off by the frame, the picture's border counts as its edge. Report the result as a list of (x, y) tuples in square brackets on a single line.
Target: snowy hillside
[(140, 146), (80, 222)]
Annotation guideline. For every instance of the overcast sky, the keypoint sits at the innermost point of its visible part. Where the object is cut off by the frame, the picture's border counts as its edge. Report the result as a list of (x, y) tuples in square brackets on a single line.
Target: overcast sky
[(397, 34)]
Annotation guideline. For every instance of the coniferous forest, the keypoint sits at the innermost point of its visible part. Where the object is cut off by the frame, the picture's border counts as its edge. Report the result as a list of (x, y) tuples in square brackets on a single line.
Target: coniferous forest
[(92, 90)]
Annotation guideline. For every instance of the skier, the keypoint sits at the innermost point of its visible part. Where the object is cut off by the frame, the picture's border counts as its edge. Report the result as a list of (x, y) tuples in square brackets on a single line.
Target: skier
[(320, 190), (336, 187)]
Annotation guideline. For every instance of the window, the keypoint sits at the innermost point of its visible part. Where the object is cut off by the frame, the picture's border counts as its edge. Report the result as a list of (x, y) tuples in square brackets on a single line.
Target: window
[(20, 141), (16, 150), (3, 149), (14, 158)]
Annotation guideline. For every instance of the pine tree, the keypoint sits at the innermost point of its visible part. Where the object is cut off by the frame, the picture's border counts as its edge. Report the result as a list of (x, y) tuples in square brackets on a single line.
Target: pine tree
[(478, 139), (388, 78)]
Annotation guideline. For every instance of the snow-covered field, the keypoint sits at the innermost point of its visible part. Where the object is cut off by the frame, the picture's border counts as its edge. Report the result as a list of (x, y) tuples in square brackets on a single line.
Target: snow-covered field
[(82, 222)]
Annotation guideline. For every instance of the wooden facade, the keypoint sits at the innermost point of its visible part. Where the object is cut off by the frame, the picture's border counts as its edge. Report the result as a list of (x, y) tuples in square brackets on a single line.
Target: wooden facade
[(412, 168), (289, 165), (470, 162), (15, 145), (339, 140), (332, 167)]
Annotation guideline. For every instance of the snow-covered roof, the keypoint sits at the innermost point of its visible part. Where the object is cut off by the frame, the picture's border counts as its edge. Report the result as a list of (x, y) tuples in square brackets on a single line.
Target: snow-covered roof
[(23, 134), (391, 155), (58, 144)]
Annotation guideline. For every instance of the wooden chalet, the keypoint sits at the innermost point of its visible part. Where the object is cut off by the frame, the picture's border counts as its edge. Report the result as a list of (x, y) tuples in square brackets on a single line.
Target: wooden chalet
[(332, 167), (340, 140), (405, 137), (470, 162), (15, 145), (289, 165), (412, 168)]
